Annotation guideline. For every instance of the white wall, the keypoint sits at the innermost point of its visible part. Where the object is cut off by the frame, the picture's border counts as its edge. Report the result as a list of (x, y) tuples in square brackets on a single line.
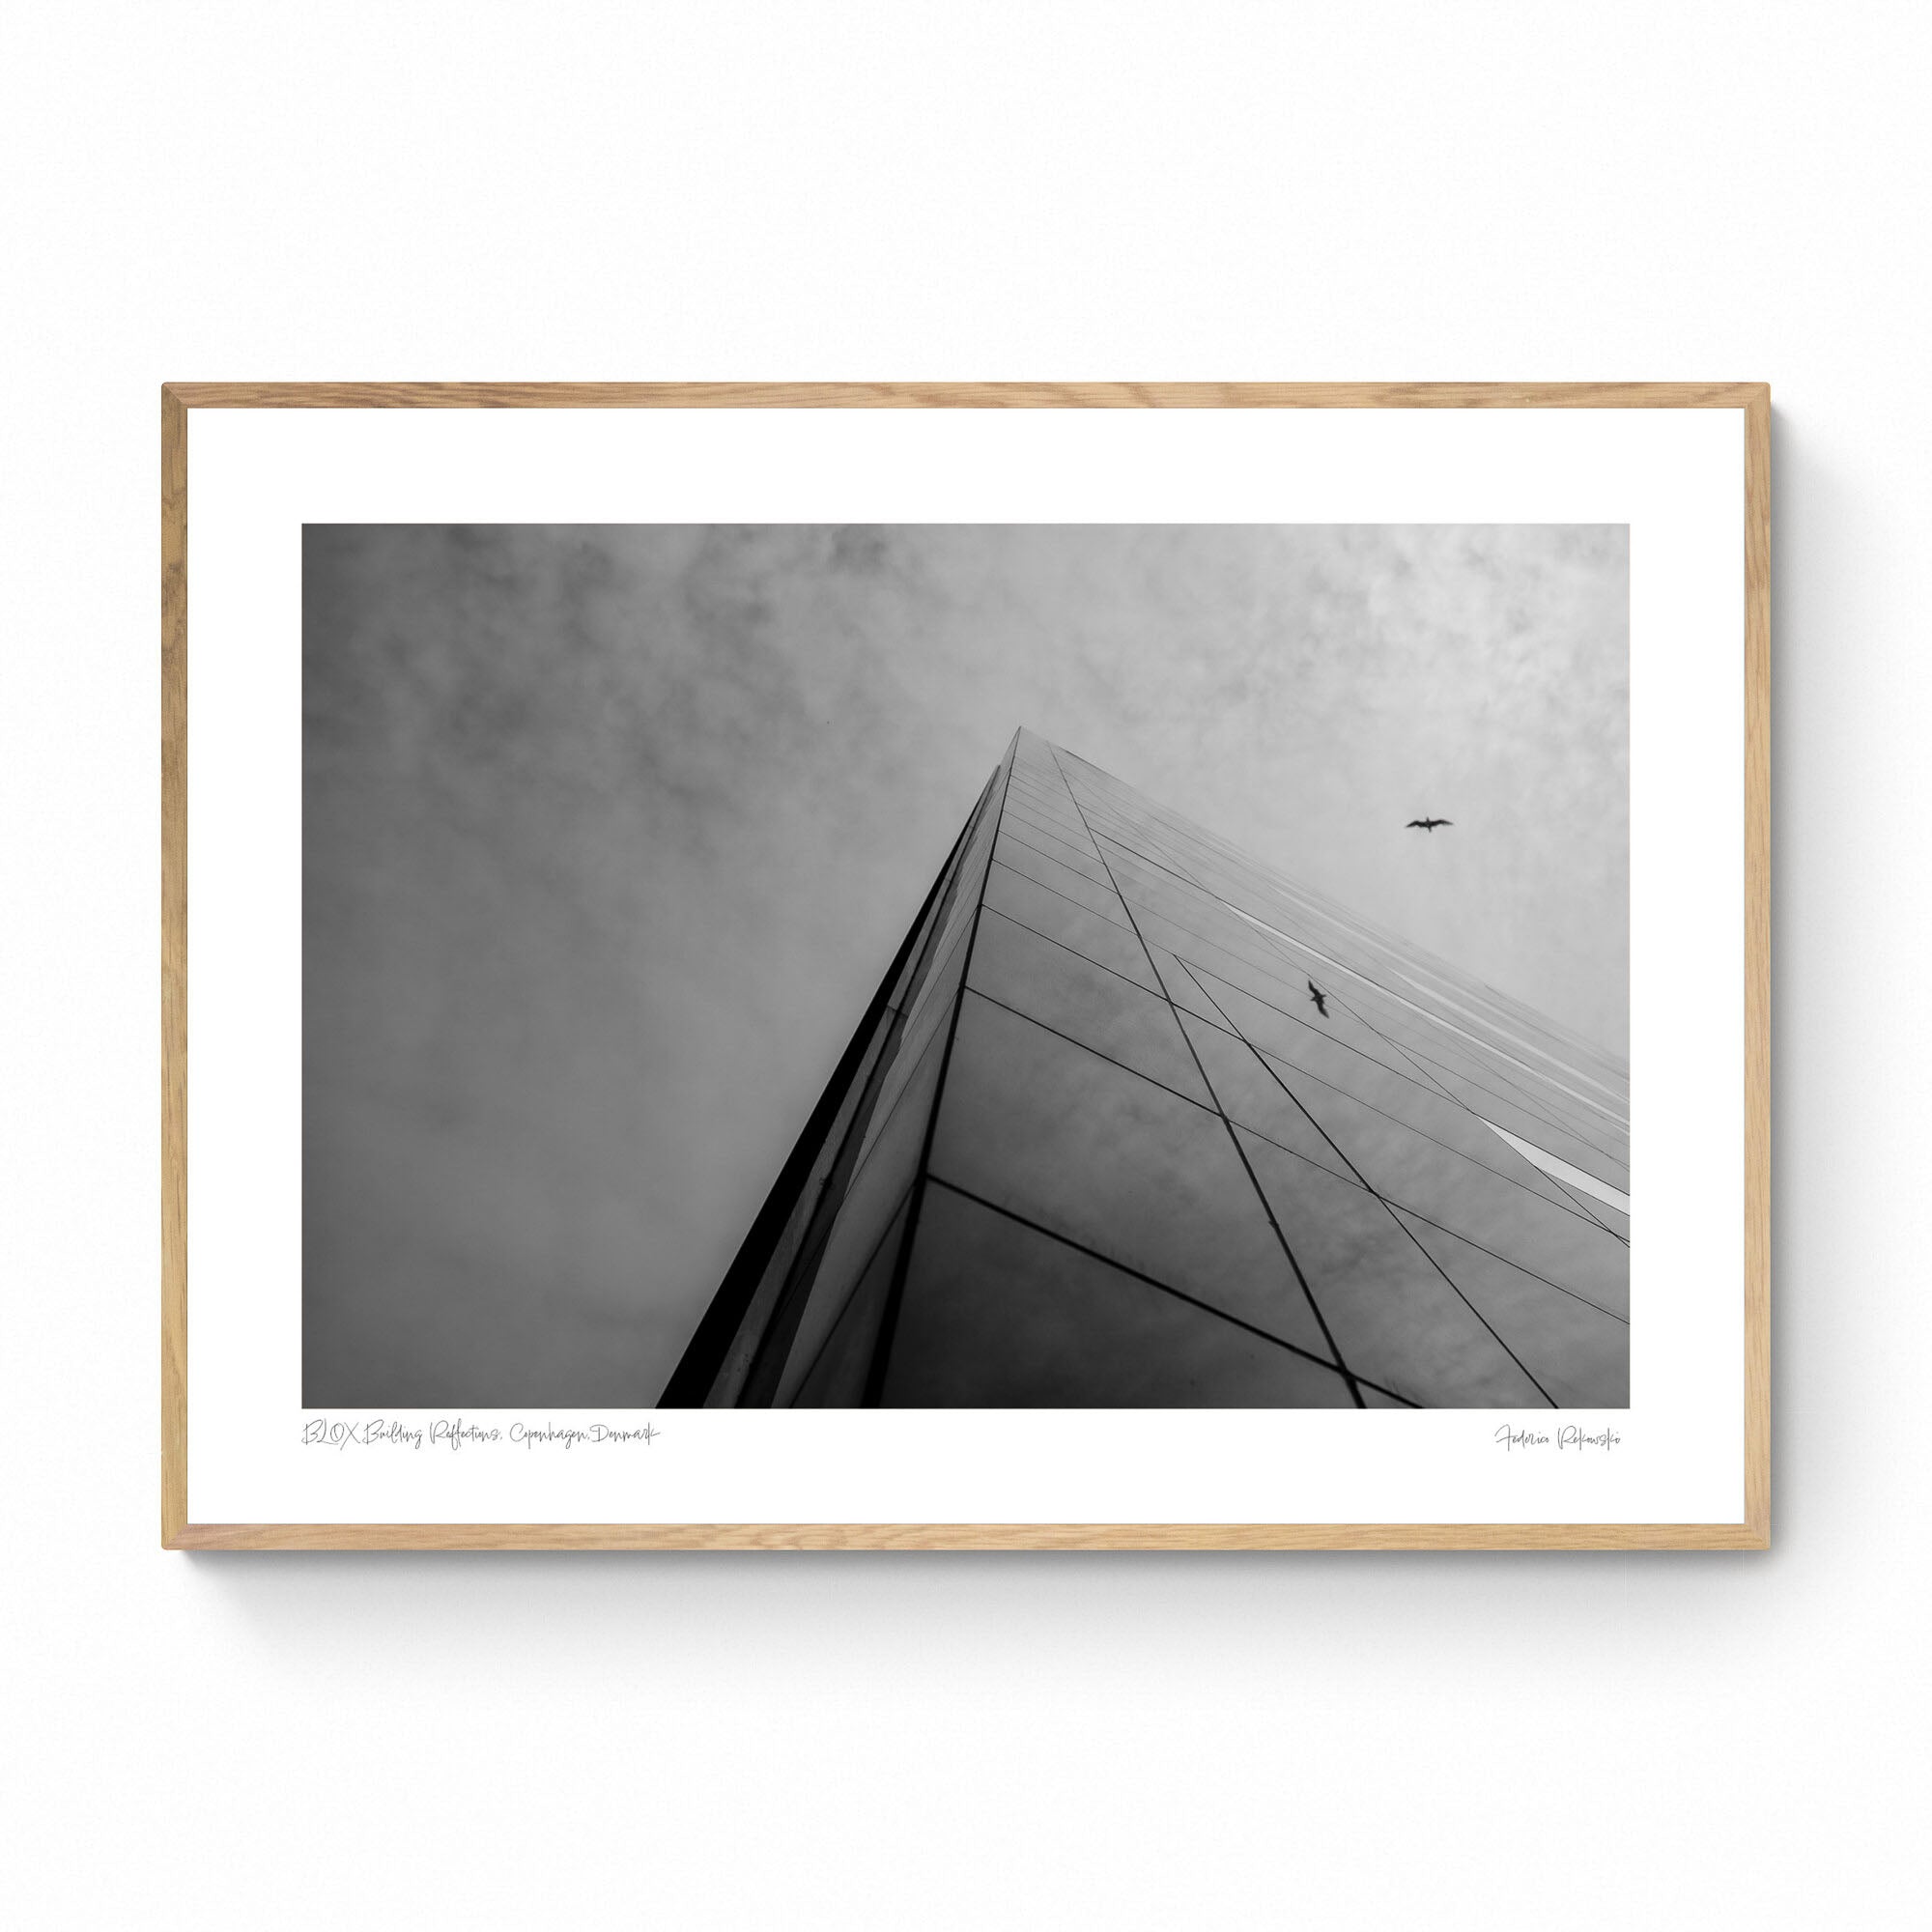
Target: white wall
[(977, 190)]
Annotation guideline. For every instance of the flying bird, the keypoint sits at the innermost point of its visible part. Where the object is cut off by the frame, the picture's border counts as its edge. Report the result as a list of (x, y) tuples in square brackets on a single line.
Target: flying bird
[(1320, 998), (1428, 824)]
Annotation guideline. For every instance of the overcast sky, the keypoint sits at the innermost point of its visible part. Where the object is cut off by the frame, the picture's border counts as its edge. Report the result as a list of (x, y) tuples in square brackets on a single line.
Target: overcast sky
[(608, 833)]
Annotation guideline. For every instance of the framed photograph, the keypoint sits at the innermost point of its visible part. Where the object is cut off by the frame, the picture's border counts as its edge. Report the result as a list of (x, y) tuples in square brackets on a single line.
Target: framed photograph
[(975, 966)]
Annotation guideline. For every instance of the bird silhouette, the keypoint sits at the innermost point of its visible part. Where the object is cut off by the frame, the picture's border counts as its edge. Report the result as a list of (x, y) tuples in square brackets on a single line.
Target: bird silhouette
[(1428, 824), (1320, 998)]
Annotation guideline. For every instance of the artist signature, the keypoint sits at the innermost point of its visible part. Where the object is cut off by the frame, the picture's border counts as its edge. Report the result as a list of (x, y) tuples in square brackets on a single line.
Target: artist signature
[(1572, 1435)]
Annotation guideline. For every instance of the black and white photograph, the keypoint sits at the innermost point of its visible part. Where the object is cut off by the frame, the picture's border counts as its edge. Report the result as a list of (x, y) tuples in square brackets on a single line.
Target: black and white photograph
[(965, 966)]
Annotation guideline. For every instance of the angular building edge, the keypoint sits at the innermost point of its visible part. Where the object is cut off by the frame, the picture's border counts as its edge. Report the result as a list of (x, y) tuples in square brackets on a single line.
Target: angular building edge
[(694, 1380)]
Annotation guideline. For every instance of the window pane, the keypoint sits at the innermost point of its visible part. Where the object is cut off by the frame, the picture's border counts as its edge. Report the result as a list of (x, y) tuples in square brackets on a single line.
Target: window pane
[(1063, 879), (745, 1342), (1251, 1095), (1087, 933), (1048, 846), (944, 962), (1097, 1008), (1180, 986), (1336, 1042), (1058, 838), (1090, 1150), (926, 1021), (1612, 1218), (1373, 1398), (1393, 1316), (1340, 1051), (1578, 1354), (874, 1194), (836, 1379), (1575, 1181), (995, 1314), (1508, 1112), (1047, 911), (1521, 1225), (1213, 962)]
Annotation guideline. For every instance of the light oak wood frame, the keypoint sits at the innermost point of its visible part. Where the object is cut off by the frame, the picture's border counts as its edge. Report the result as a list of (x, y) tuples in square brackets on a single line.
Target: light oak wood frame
[(1753, 399)]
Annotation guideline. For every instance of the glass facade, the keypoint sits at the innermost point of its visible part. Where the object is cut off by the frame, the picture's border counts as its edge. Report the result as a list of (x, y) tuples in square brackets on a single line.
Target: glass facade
[(1136, 1121)]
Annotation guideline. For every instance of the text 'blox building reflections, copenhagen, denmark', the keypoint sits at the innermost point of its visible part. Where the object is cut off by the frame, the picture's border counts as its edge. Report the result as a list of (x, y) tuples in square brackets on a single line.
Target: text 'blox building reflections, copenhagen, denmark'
[(1133, 1120)]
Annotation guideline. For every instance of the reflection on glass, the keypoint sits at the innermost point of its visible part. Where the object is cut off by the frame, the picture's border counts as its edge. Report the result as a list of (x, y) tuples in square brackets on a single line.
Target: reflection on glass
[(1373, 1398), (997, 1315), (1422, 1109), (1344, 1054), (1085, 932), (1434, 1182), (1393, 1316), (1250, 1094), (1516, 1104), (876, 1191), (1063, 879), (1601, 1192), (836, 1379), (1106, 1157), (1023, 831), (1578, 1353), (1090, 1005), (1617, 1223), (927, 1020)]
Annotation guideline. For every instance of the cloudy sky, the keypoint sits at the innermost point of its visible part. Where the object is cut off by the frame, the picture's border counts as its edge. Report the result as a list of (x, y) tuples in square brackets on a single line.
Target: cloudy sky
[(608, 833)]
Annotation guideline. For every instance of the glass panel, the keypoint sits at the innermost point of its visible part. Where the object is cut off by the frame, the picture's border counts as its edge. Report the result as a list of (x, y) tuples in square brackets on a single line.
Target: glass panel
[(1098, 1009), (1049, 912), (1164, 877), (1418, 1108), (1057, 818), (1393, 1316), (1250, 1094), (875, 1192), (1212, 962), (1509, 1096), (1092, 1152), (836, 1379), (1340, 1033), (997, 1315), (1591, 1210), (903, 986), (957, 909), (1617, 1223), (1276, 1018), (921, 1029), (1183, 988), (1158, 869), (1575, 1180), (1522, 1224), (1021, 833), (1063, 879), (1338, 1049), (1051, 809), (743, 1348), (1407, 1015), (1373, 1398), (958, 916), (1085, 932), (1578, 1353), (1043, 787)]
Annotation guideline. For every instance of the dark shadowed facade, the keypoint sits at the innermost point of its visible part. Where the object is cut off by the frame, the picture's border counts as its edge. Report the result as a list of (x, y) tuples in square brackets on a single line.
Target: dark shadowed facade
[(1134, 1121)]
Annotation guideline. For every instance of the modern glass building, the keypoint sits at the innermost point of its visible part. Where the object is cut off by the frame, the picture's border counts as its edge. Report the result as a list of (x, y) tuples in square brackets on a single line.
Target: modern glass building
[(1134, 1121)]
